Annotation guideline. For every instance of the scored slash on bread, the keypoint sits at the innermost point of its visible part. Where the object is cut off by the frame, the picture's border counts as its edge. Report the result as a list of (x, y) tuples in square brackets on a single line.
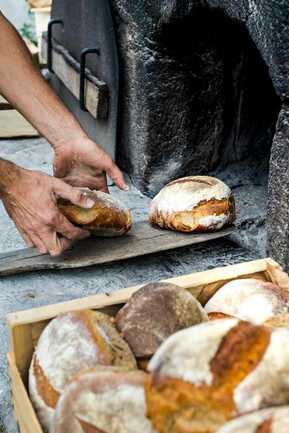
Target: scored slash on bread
[(106, 218), (193, 204), (206, 375), (72, 343)]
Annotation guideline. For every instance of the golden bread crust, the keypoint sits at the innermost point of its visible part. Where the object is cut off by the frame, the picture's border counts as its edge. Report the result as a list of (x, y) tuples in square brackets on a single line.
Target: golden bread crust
[(177, 406), (199, 211), (106, 218)]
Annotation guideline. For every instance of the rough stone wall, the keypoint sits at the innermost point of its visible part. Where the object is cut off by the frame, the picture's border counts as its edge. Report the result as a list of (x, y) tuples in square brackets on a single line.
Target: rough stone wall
[(194, 92)]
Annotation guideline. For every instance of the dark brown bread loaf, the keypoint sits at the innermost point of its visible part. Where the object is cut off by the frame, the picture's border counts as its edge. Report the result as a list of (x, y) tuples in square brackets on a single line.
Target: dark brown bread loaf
[(210, 373), (103, 403), (69, 344), (106, 218), (153, 313)]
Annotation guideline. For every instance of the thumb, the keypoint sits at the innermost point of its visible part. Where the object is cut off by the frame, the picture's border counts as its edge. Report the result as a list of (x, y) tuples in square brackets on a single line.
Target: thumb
[(76, 196)]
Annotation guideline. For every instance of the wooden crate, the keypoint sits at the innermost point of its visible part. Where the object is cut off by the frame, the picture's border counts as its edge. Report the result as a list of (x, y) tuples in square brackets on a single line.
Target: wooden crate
[(26, 326)]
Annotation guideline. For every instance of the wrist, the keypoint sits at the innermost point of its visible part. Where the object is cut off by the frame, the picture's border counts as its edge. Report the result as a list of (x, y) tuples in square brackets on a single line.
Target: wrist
[(68, 138), (10, 175)]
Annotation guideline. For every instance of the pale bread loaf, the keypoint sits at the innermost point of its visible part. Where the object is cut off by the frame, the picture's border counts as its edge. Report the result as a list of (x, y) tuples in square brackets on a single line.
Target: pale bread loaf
[(205, 375), (193, 204), (103, 403), (271, 420), (249, 299), (108, 217), (69, 344), (154, 312)]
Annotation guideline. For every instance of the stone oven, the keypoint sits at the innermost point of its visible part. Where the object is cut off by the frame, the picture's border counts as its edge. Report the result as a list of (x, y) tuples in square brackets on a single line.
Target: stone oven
[(192, 87)]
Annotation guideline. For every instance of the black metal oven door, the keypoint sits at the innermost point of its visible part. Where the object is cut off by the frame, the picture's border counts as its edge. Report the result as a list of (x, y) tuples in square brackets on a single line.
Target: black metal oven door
[(84, 30)]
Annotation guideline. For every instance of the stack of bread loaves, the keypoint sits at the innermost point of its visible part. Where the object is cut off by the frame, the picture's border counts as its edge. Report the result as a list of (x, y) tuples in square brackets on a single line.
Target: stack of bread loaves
[(85, 375), (82, 367)]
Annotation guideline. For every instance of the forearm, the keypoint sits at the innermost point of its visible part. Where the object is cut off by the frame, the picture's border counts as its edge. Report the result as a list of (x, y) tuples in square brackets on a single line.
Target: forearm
[(24, 87)]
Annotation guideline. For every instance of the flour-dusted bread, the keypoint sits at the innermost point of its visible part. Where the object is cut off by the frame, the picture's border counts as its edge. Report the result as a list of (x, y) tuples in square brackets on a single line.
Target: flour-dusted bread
[(69, 344), (271, 420), (193, 204), (154, 312), (206, 375), (106, 218), (249, 299), (103, 403)]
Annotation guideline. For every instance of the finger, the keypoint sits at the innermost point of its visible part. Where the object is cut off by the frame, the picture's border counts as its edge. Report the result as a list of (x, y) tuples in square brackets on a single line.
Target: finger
[(55, 244), (39, 243), (61, 244), (74, 195), (115, 174), (97, 182), (69, 231), (25, 236)]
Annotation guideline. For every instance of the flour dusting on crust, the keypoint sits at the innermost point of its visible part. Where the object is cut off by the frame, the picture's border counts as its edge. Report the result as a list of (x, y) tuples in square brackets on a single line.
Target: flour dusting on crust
[(187, 354), (187, 193)]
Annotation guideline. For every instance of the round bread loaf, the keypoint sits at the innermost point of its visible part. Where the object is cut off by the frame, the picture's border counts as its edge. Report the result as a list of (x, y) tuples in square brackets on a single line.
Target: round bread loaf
[(106, 218), (103, 403), (193, 204), (153, 313), (206, 375), (249, 299), (69, 344), (272, 420)]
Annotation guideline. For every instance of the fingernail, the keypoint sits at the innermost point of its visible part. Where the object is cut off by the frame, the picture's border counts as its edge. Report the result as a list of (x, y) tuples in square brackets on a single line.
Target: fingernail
[(89, 203), (126, 188)]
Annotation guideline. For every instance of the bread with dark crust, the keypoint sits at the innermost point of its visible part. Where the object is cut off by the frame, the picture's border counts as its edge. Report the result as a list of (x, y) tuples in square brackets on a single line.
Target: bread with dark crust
[(107, 218), (155, 312), (193, 204)]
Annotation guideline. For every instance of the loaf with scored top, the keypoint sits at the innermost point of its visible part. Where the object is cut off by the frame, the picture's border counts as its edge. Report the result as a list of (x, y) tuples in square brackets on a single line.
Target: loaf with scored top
[(249, 299), (206, 375), (72, 343), (193, 204), (103, 403)]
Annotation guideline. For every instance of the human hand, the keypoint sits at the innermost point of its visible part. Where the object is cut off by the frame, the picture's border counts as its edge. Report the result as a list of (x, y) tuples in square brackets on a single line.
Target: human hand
[(31, 202), (83, 163)]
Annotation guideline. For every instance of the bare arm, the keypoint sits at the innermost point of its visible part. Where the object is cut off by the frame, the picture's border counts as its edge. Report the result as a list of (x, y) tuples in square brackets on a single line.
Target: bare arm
[(30, 197)]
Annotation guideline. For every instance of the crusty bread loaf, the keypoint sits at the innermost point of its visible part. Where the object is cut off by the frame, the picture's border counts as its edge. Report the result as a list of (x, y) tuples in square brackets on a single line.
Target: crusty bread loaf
[(249, 299), (69, 344), (207, 374), (271, 420), (193, 204), (155, 312), (103, 403), (106, 218)]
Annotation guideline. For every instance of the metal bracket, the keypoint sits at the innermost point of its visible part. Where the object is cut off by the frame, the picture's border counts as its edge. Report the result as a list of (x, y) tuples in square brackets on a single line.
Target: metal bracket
[(49, 41), (82, 74)]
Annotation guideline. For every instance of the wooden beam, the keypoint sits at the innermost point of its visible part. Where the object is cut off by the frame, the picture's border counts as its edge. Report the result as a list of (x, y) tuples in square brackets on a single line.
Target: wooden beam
[(67, 70), (13, 125)]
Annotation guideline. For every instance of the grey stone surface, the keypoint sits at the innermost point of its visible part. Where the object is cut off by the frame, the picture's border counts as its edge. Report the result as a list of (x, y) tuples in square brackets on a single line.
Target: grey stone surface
[(42, 288), (197, 84)]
